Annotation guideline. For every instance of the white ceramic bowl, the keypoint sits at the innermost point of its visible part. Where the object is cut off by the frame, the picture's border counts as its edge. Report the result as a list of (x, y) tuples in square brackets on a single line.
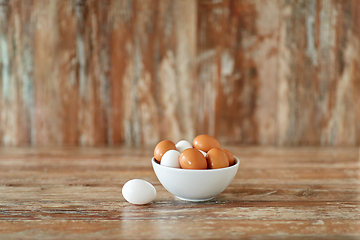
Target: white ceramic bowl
[(195, 185)]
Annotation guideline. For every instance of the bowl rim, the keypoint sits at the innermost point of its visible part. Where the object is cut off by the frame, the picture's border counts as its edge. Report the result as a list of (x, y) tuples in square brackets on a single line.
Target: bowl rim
[(237, 163)]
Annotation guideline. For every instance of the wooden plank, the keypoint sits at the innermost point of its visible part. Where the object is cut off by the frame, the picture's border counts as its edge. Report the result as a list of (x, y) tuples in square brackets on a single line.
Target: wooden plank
[(16, 66), (316, 100), (54, 56), (92, 34), (205, 229), (154, 50), (238, 71)]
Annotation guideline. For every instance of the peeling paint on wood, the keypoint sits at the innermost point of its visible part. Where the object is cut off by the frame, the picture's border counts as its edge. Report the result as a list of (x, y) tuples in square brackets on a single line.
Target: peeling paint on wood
[(272, 72)]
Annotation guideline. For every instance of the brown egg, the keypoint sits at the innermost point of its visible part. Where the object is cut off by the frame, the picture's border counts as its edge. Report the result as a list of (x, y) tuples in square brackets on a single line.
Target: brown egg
[(230, 156), (216, 158), (162, 147), (205, 142), (192, 158)]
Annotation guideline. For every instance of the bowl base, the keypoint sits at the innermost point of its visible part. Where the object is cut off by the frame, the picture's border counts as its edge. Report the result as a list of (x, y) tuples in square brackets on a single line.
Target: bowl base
[(195, 200)]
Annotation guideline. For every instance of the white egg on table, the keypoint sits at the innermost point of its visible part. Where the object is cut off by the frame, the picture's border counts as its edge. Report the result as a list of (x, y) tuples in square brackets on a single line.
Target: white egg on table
[(171, 159), (182, 145), (138, 191)]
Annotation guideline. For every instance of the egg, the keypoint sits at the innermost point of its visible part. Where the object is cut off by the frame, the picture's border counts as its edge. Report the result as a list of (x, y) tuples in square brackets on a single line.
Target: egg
[(216, 158), (191, 158), (230, 156), (162, 147), (138, 191), (171, 159), (182, 145), (203, 153), (205, 143)]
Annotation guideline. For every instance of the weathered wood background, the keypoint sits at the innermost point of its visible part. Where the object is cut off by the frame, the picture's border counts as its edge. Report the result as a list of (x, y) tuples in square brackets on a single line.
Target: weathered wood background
[(88, 72)]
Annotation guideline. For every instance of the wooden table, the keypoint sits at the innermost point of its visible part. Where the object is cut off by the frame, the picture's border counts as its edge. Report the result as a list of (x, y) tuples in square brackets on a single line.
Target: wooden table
[(278, 193)]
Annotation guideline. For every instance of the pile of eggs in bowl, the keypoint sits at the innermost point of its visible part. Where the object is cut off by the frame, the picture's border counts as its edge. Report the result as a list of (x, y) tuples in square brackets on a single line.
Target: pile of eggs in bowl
[(204, 153)]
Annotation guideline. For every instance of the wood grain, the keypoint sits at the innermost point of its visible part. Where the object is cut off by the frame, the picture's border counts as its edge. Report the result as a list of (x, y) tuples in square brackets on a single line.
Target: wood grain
[(278, 193), (134, 72)]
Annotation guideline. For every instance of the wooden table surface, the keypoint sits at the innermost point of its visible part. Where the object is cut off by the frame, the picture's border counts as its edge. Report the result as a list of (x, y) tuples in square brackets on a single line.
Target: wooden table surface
[(278, 193)]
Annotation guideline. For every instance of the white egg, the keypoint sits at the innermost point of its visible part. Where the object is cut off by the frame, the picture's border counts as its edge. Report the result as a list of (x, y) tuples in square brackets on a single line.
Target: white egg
[(203, 153), (182, 145), (138, 191), (171, 159)]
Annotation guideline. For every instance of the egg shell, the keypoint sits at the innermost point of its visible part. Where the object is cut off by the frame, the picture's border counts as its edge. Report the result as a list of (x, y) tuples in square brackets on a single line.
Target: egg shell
[(171, 159), (216, 158), (192, 158), (138, 191), (203, 153), (205, 142), (182, 145), (230, 156), (162, 147)]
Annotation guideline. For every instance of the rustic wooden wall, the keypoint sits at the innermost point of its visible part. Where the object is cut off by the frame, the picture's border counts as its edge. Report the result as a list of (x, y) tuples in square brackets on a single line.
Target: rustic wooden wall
[(270, 72)]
